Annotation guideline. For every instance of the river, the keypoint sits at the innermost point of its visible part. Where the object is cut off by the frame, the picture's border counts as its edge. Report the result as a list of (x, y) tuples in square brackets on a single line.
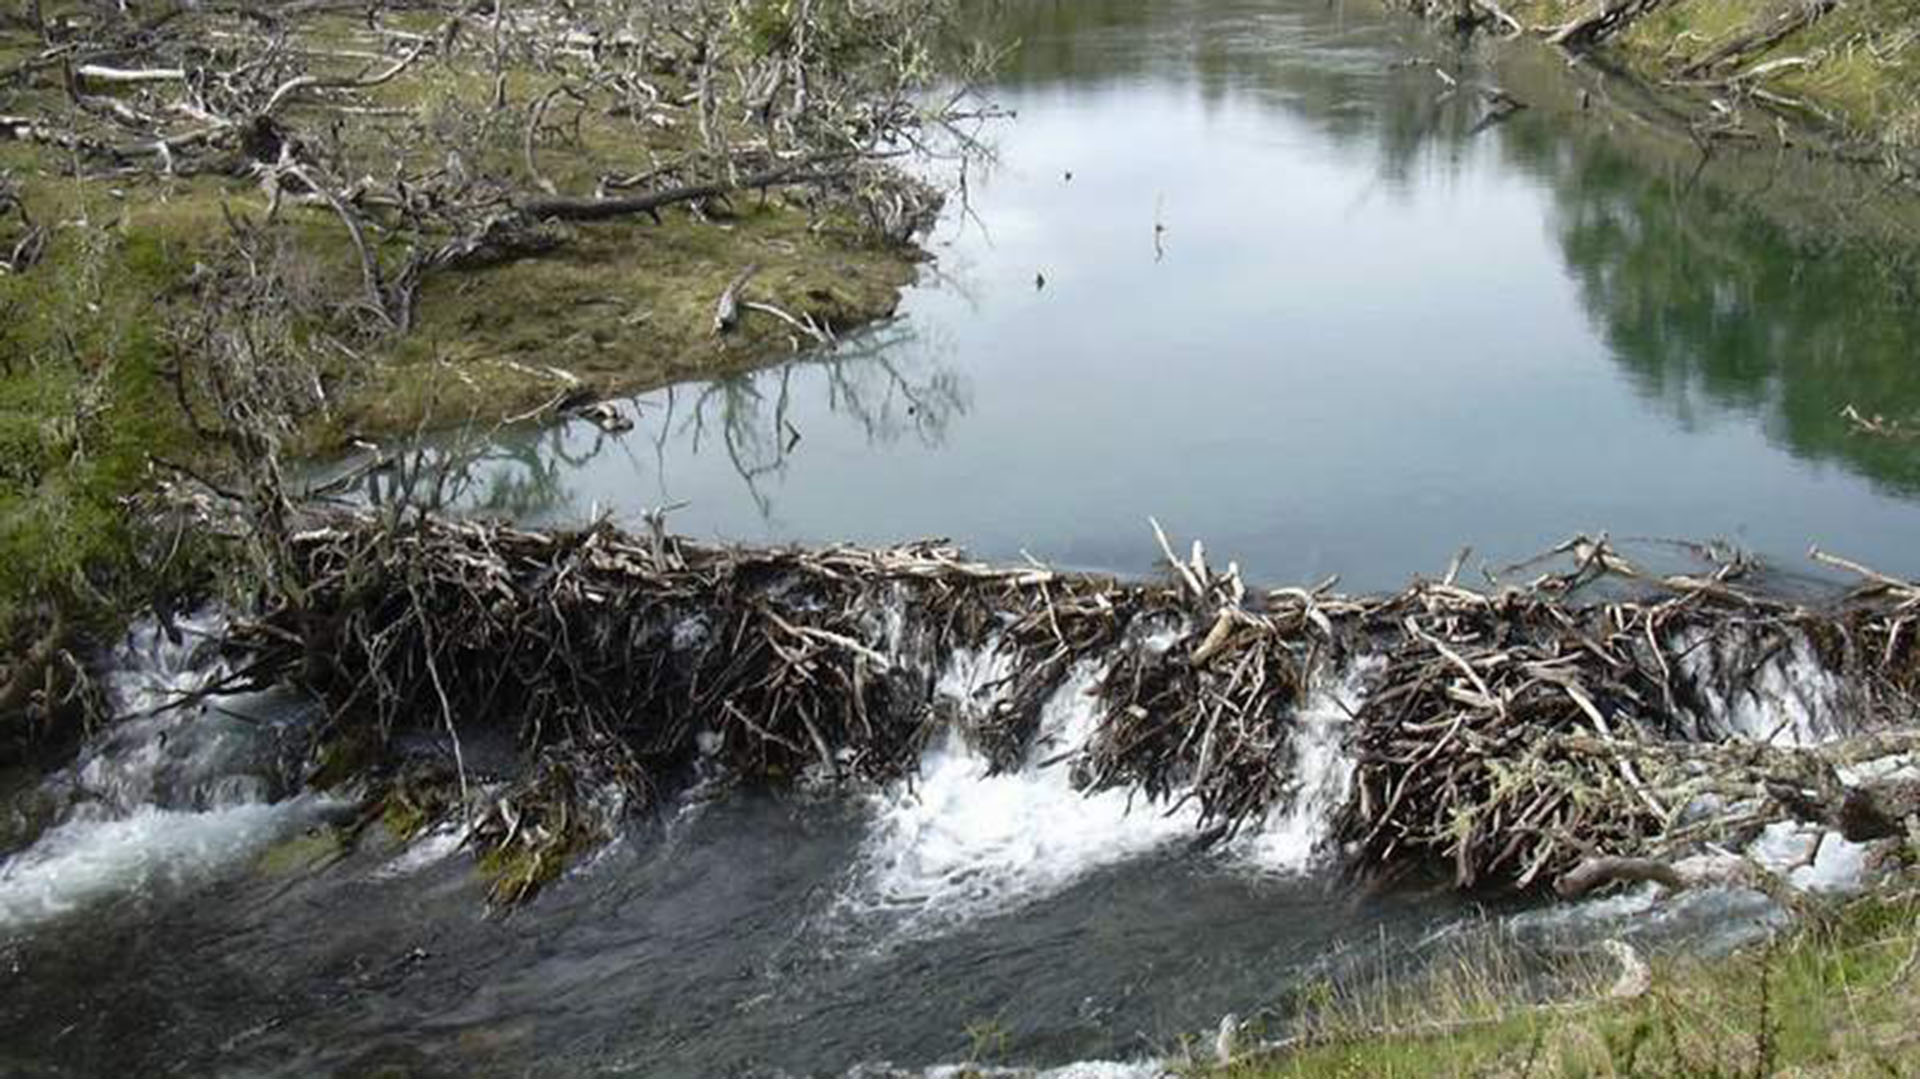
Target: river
[(1249, 267), (1368, 331)]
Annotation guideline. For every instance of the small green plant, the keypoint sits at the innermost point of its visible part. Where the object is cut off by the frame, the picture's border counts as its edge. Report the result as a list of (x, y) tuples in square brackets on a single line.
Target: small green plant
[(987, 1040)]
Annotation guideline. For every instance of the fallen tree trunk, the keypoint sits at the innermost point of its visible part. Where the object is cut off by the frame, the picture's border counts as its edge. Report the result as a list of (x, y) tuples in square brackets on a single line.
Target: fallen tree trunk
[(1599, 872), (561, 208), (1604, 21), (1783, 25)]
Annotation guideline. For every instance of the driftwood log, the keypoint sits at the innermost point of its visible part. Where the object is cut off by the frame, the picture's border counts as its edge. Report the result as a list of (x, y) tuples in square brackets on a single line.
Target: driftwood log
[(1599, 872)]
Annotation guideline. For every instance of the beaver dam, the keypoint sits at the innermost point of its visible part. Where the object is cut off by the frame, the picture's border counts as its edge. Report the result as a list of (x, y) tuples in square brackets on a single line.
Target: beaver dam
[(535, 785), (798, 779), (1569, 731)]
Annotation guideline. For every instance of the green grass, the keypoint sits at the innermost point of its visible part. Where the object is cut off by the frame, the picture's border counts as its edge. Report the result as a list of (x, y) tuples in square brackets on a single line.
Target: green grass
[(84, 401), (624, 307), (1837, 996), (1863, 57)]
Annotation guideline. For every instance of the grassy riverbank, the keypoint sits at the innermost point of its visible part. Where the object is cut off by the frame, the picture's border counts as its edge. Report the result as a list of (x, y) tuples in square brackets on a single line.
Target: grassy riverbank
[(222, 234), (1852, 67), (1833, 996)]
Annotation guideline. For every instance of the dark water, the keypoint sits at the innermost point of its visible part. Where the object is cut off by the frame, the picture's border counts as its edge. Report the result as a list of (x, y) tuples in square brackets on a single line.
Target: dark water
[(178, 922), (716, 954), (1372, 330)]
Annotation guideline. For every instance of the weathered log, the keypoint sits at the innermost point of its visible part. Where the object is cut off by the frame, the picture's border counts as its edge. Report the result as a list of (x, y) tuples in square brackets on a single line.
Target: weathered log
[(1605, 20), (562, 208), (115, 76), (726, 310), (1784, 24), (1599, 872)]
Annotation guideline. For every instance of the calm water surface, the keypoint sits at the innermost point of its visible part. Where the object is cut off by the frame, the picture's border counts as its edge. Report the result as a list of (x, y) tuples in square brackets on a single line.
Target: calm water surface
[(1370, 330)]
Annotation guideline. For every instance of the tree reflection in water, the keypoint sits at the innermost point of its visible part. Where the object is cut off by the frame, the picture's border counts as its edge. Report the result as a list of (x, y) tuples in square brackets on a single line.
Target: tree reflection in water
[(873, 379), (888, 380), (492, 471)]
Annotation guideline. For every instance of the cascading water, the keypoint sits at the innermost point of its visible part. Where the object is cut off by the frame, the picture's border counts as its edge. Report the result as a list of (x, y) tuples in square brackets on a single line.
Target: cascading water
[(960, 841), (170, 796), (783, 912), (1784, 696), (1297, 833)]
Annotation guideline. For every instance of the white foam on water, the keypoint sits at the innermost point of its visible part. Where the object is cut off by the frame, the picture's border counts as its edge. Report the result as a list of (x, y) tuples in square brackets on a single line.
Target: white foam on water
[(1294, 836), (168, 748), (1713, 916), (436, 846), (163, 800), (1615, 907), (1790, 700), (975, 679), (960, 843), (148, 852), (1784, 846), (149, 669)]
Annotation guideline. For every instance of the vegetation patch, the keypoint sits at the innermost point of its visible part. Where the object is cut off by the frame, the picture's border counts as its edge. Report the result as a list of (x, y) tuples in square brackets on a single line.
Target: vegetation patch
[(1833, 996), (1758, 70)]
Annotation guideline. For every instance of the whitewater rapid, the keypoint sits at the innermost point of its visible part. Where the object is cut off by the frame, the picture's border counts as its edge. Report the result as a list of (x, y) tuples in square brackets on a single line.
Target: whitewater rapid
[(178, 791), (960, 841)]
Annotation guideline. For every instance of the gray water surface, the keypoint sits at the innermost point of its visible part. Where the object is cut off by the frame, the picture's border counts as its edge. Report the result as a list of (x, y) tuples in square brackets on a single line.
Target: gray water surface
[(1371, 330), (695, 959)]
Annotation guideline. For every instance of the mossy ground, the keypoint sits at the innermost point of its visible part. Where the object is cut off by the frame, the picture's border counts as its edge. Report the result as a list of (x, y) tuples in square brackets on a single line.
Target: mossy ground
[(623, 307), (1838, 995), (84, 402)]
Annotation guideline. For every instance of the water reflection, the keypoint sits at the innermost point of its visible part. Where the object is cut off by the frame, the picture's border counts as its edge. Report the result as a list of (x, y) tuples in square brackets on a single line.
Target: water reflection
[(1300, 280), (881, 381), (889, 384), (1706, 300), (1713, 309)]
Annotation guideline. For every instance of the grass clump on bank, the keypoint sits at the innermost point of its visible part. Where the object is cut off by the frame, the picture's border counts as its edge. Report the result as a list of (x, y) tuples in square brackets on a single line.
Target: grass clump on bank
[(1853, 67), (1836, 995), (85, 409)]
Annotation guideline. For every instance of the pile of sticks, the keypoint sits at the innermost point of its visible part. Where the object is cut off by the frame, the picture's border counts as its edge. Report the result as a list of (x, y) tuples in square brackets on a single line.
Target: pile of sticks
[(1505, 737)]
